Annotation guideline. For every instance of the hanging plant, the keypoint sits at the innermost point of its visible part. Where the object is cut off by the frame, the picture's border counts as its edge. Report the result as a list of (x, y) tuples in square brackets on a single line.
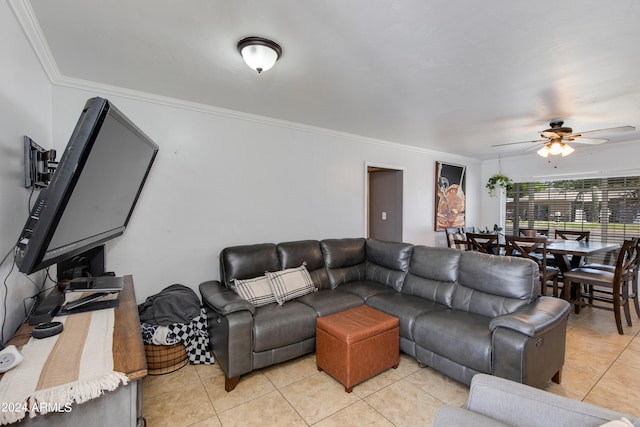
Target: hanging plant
[(498, 181)]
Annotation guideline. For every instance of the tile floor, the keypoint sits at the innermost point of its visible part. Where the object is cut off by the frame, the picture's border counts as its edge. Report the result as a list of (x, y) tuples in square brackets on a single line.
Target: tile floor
[(601, 367)]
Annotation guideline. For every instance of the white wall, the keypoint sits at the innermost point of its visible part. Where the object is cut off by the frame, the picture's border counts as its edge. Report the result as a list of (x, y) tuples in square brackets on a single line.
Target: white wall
[(609, 160), (223, 178), (25, 109)]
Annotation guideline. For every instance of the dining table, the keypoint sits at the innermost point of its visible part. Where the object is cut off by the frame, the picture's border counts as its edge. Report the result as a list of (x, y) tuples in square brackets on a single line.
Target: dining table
[(578, 249)]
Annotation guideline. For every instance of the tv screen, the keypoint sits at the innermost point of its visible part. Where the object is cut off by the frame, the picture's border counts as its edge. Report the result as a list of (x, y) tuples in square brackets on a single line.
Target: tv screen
[(93, 191)]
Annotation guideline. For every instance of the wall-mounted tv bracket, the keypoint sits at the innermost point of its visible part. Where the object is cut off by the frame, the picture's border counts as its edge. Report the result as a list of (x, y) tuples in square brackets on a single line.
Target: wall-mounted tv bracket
[(39, 164)]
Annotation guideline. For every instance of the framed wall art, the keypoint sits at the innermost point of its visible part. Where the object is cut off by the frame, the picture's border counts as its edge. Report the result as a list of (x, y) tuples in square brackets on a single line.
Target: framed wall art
[(450, 196)]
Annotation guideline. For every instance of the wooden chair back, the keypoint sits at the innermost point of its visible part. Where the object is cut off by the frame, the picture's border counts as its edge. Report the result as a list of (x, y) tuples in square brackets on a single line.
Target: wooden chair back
[(627, 260), (572, 235), (533, 232), (526, 247), (482, 242), (534, 248)]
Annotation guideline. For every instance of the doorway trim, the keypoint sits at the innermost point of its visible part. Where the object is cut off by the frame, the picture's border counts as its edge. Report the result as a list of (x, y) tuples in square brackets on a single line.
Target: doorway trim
[(387, 166)]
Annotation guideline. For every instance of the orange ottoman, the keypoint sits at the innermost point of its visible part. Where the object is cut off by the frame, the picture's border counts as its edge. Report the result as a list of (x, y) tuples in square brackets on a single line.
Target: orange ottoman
[(356, 344)]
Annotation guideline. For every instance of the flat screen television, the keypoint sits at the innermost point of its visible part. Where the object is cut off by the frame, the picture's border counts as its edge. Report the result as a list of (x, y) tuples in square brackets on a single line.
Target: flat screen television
[(92, 192)]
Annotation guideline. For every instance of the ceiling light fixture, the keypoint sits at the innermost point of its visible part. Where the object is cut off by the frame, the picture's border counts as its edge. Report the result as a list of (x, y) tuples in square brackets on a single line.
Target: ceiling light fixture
[(555, 147), (259, 53)]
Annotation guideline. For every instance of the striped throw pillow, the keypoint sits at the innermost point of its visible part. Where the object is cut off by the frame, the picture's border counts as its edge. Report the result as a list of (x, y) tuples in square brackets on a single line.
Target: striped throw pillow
[(290, 283), (257, 290)]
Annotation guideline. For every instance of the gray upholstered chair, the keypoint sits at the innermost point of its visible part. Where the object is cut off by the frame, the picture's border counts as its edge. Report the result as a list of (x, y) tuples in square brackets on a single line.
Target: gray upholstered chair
[(495, 401)]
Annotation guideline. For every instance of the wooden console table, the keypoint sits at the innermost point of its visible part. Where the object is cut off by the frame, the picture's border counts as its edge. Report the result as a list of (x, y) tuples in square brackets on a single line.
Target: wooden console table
[(123, 406)]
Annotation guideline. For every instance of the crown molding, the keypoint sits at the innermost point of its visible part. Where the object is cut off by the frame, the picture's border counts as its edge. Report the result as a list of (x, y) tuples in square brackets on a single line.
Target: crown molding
[(31, 28)]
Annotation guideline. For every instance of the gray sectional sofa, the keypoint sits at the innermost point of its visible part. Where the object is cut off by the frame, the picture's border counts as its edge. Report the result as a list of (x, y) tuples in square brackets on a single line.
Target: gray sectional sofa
[(461, 313)]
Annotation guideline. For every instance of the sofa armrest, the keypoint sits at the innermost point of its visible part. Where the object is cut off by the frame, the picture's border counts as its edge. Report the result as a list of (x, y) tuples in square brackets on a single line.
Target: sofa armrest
[(535, 318), (222, 300), (518, 404)]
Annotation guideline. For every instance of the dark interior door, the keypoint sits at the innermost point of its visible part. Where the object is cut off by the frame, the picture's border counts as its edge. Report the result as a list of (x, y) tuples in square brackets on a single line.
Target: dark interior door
[(385, 204)]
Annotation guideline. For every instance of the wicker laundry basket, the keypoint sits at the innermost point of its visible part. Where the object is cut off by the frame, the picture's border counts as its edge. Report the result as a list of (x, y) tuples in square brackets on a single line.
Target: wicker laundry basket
[(163, 359)]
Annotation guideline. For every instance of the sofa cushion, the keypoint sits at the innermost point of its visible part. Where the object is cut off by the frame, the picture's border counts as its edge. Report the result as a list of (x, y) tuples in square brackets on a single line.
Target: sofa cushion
[(393, 255), (345, 260), (405, 307), (391, 278), (433, 273), (439, 264), (387, 262), (365, 289), (462, 337), (290, 283), (481, 284), (293, 254), (248, 261), (343, 252), (329, 301), (340, 276), (257, 290), (276, 326)]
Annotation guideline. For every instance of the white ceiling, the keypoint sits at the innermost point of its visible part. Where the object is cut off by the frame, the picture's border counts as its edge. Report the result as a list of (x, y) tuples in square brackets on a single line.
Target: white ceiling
[(454, 76)]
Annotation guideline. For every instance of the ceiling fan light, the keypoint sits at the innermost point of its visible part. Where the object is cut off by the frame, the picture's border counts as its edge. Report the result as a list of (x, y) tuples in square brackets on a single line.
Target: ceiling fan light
[(555, 148), (566, 150), (258, 53), (544, 151)]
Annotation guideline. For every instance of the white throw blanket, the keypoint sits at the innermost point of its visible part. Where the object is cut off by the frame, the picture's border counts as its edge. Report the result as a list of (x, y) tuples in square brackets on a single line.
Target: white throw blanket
[(72, 367)]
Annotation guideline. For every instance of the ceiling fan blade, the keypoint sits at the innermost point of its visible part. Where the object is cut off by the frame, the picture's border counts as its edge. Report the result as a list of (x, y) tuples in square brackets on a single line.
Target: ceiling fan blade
[(589, 141), (537, 141), (535, 147), (608, 130)]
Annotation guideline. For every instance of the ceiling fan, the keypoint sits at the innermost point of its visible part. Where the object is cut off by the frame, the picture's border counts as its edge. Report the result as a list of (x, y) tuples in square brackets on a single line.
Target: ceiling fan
[(556, 137)]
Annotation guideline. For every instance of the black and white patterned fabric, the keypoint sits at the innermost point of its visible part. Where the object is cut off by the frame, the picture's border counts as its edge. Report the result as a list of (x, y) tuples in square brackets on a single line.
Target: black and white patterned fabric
[(195, 338), (148, 331), (193, 335)]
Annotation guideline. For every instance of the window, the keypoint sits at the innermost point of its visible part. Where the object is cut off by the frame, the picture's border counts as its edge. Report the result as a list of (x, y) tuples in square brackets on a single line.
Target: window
[(607, 207)]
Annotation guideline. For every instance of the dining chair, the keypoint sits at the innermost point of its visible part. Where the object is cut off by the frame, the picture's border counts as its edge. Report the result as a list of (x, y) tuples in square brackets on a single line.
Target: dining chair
[(584, 286), (635, 267), (456, 238), (483, 242), (529, 247), (533, 232)]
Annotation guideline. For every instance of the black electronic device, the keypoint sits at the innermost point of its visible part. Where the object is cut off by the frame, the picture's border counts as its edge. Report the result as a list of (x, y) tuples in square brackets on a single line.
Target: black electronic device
[(95, 284), (93, 191), (49, 329), (70, 306), (89, 306), (90, 263), (47, 308)]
